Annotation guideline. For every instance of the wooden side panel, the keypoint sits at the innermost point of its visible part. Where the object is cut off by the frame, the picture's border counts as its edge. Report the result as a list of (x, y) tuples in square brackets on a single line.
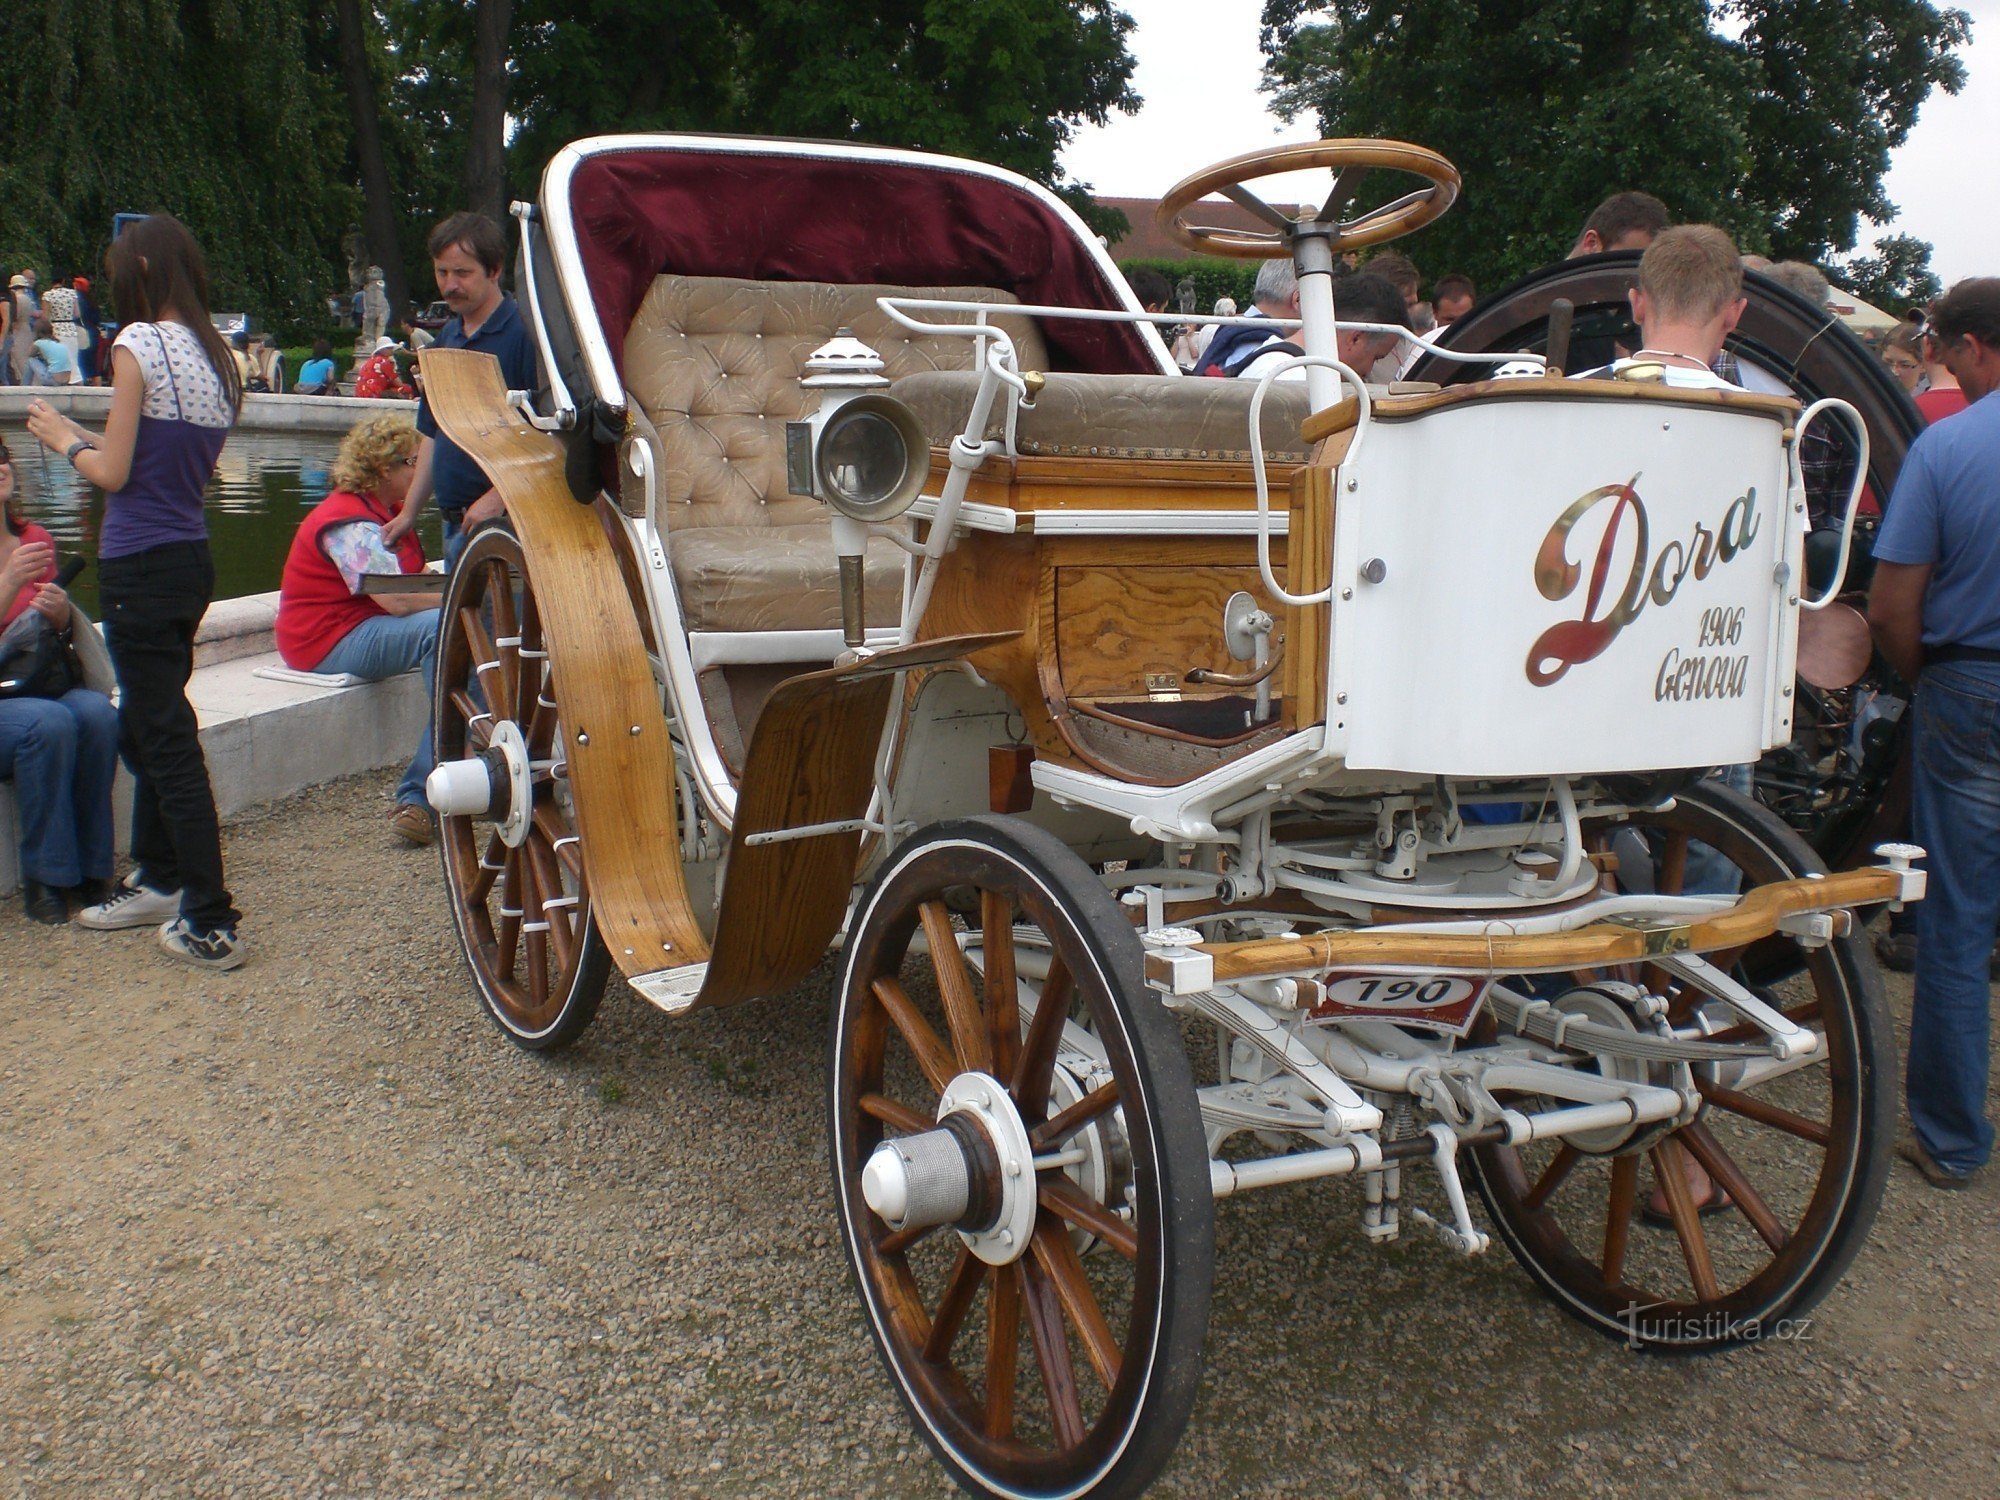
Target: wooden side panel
[(1311, 564), (621, 765), (1118, 625)]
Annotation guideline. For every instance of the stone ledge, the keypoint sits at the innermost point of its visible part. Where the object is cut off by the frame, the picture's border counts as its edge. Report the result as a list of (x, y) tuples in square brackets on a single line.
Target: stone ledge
[(261, 412), (266, 739)]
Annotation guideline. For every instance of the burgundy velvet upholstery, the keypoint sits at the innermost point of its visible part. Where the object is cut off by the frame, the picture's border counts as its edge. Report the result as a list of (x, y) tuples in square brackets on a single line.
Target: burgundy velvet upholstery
[(780, 218)]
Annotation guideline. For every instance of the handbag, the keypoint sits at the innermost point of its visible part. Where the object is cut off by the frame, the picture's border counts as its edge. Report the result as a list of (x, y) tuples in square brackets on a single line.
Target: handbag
[(37, 660)]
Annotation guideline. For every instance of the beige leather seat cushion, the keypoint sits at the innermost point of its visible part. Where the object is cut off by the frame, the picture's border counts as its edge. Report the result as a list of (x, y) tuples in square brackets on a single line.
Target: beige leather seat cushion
[(776, 578), (1123, 416), (713, 365)]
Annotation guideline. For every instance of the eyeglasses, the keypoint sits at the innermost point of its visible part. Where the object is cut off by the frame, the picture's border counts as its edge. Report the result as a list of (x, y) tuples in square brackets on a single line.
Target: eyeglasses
[(1904, 363)]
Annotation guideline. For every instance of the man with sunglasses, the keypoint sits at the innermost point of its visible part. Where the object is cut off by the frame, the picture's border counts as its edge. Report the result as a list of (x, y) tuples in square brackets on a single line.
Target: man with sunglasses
[(1935, 609)]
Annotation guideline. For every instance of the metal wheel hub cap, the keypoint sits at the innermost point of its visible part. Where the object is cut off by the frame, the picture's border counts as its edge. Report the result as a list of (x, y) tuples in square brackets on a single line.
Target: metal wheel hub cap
[(975, 1172)]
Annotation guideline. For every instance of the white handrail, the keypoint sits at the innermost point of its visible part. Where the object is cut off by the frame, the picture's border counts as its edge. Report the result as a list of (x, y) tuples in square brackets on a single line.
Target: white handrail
[(895, 308), (1860, 483), (1348, 376)]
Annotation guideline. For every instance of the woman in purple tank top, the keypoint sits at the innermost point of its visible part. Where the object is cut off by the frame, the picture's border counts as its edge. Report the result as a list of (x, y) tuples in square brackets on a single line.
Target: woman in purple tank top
[(175, 395)]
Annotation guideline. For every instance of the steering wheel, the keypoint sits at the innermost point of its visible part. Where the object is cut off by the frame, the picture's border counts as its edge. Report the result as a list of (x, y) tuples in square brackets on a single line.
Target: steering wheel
[(1349, 160)]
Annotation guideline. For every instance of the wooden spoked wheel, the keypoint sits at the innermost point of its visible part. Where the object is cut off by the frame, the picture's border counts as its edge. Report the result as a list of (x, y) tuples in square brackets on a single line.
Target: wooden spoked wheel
[(1060, 1370), (1349, 160), (1619, 1238), (521, 904)]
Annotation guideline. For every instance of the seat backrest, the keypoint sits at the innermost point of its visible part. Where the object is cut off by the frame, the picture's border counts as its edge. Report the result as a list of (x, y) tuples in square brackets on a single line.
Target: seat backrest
[(714, 364)]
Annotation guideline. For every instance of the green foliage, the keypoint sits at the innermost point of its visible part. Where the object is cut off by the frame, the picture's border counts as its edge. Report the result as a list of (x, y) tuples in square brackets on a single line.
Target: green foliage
[(218, 111), (1773, 118), (1896, 278), (1213, 276)]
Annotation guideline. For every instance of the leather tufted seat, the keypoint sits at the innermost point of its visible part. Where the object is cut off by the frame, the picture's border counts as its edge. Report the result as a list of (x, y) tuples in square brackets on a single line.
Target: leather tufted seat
[(713, 367)]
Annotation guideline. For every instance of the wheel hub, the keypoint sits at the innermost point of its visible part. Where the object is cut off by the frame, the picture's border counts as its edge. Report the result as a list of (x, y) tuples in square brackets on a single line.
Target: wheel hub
[(976, 1172), (496, 783), (1613, 1003)]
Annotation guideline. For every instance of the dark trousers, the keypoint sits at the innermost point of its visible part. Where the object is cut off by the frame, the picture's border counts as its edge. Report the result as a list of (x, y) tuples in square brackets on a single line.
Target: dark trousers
[(153, 600)]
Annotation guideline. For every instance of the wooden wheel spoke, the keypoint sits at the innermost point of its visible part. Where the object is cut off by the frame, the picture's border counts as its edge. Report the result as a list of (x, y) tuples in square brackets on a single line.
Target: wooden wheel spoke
[(490, 867), (1559, 1167), (506, 627), (1059, 1128), (549, 824), (959, 1290), (1702, 1145), (1061, 1197), (1003, 998), (561, 919), (1058, 1259), (899, 1242), (1673, 865), (1035, 1067), (954, 982), (889, 1112), (493, 681), (508, 929), (1051, 1341), (931, 1054), (1766, 1113), (534, 940), (1618, 1217), (1003, 1350), (478, 723), (1669, 1171)]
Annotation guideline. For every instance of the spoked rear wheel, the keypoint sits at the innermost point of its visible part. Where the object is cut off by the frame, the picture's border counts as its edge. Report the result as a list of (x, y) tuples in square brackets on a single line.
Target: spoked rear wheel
[(517, 888), (1044, 1324), (1616, 1233)]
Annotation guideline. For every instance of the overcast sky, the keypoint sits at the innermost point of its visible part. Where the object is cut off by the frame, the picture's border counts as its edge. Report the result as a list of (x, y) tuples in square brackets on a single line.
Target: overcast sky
[(1199, 69)]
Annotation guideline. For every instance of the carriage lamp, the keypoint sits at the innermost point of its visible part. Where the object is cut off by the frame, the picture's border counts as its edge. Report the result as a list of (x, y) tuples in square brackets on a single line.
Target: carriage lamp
[(863, 453)]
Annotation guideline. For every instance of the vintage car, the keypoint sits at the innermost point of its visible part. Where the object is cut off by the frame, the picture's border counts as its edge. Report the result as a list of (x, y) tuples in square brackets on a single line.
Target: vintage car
[(1206, 784)]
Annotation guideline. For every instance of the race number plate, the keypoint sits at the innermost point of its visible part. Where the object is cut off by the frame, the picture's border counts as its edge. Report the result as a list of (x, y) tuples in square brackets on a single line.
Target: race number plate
[(1436, 1002)]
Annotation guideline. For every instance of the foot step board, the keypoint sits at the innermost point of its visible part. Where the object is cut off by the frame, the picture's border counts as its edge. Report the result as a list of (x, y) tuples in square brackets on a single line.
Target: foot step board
[(673, 990)]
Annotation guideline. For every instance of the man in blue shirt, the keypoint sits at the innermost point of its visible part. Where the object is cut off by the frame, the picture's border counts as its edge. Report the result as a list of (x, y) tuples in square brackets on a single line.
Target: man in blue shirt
[(467, 254), (1935, 609)]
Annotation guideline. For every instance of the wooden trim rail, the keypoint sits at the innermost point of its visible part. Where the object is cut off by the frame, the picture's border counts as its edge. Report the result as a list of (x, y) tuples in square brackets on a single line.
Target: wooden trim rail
[(1598, 944)]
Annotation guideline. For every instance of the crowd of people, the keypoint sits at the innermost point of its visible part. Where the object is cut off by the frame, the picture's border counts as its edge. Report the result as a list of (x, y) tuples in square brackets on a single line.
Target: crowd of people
[(177, 387)]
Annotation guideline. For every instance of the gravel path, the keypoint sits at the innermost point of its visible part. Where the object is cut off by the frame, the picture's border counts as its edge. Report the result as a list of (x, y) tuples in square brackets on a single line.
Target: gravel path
[(314, 1228)]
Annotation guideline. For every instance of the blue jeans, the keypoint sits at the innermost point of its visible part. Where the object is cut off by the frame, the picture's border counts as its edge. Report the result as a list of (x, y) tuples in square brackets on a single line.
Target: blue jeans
[(383, 646), (62, 753), (456, 538), (1708, 871), (1955, 815)]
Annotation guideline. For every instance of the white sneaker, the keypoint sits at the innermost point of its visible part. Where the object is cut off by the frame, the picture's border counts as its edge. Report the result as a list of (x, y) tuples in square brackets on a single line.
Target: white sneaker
[(219, 948), (131, 905)]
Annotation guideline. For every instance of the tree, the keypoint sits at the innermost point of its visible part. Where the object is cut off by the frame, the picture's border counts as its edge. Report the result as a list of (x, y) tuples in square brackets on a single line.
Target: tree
[(115, 105), (486, 129), (359, 51), (1896, 277), (1773, 118), (1004, 81)]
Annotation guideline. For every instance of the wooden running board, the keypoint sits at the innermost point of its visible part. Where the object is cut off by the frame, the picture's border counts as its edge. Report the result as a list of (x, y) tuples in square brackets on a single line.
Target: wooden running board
[(811, 761)]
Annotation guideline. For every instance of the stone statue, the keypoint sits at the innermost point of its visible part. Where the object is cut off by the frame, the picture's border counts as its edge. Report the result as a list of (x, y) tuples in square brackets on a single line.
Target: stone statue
[(374, 308)]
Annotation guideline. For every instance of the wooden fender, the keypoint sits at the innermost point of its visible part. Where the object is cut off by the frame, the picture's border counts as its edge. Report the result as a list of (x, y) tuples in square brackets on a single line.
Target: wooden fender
[(811, 761)]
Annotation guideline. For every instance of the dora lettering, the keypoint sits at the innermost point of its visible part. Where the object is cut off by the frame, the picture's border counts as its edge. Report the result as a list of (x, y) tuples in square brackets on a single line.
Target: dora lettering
[(1649, 578)]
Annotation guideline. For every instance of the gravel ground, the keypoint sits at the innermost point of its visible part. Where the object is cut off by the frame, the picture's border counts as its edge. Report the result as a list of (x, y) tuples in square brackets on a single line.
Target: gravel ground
[(314, 1228)]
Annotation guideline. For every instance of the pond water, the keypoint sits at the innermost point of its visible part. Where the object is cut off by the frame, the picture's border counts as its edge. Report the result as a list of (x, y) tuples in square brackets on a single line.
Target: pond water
[(263, 486)]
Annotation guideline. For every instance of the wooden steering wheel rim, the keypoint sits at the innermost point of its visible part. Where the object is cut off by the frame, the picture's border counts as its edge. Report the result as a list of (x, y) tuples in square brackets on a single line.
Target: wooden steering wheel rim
[(1375, 227)]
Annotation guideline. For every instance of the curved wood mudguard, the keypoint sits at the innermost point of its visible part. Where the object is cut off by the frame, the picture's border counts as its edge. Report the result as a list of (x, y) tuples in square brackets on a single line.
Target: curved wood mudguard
[(811, 761), (621, 762)]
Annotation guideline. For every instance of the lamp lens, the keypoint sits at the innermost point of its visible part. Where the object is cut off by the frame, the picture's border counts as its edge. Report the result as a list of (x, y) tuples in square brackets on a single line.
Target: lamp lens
[(863, 459)]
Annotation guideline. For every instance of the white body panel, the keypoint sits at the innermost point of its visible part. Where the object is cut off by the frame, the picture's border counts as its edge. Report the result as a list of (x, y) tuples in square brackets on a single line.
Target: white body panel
[(1539, 610)]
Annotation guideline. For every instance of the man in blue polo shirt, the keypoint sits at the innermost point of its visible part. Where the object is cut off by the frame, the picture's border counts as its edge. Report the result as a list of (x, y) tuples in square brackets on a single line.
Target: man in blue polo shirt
[(467, 254), (1935, 608)]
